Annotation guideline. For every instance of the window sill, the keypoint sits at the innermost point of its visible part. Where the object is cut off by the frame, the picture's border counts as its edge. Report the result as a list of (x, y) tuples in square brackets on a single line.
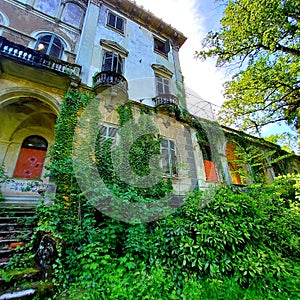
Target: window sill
[(115, 29), (163, 54)]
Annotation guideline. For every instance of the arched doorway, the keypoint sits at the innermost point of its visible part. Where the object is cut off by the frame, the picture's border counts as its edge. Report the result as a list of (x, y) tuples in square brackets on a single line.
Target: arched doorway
[(31, 158)]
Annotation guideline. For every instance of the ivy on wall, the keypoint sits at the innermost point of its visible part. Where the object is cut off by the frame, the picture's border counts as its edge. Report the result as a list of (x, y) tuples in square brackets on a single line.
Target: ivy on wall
[(139, 156)]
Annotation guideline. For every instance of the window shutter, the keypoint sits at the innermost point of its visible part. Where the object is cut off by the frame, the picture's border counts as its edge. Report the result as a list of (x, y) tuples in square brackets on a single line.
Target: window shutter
[(102, 134), (159, 85), (107, 61), (167, 46), (166, 86), (118, 64)]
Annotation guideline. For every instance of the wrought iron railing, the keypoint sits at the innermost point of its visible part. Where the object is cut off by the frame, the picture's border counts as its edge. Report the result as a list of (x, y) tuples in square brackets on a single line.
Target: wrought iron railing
[(166, 99), (35, 58), (110, 78)]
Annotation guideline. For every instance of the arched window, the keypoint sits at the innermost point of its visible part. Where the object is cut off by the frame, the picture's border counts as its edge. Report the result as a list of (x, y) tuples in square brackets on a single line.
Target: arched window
[(50, 44), (73, 14), (48, 7), (31, 158)]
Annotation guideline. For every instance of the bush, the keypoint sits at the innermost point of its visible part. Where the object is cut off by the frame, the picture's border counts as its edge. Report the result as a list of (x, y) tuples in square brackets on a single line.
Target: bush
[(242, 244)]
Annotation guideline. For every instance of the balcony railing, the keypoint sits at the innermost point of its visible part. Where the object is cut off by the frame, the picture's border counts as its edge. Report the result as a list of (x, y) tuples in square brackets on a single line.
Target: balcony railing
[(110, 78), (35, 58), (166, 99)]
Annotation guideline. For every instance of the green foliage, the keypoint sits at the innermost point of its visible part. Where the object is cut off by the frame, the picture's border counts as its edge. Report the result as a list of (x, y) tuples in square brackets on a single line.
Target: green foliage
[(136, 154), (251, 163), (261, 39), (222, 244), (287, 141), (3, 178)]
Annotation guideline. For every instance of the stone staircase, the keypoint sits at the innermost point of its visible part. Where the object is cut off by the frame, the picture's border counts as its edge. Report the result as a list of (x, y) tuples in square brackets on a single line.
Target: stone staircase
[(16, 227), (17, 221)]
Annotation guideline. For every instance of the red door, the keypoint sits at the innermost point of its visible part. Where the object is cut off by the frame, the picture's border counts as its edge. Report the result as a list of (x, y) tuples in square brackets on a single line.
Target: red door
[(30, 163)]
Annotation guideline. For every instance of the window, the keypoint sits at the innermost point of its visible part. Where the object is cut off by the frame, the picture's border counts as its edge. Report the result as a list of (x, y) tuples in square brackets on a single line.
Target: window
[(169, 158), (49, 7), (73, 14), (50, 44), (108, 132), (112, 62), (162, 85), (162, 47), (115, 22)]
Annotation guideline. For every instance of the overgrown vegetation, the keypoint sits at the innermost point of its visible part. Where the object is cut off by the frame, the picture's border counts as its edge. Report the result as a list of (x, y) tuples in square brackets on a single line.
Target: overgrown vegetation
[(236, 244), (221, 244), (3, 178)]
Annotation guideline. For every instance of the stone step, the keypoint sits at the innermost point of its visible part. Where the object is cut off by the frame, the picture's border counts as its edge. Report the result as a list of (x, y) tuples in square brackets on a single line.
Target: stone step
[(18, 294), (15, 218), (16, 228), (13, 226), (6, 253), (23, 232)]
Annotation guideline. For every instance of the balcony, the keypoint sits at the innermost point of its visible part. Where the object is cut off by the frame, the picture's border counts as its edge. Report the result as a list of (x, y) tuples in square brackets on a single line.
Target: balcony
[(166, 102), (23, 62), (105, 79)]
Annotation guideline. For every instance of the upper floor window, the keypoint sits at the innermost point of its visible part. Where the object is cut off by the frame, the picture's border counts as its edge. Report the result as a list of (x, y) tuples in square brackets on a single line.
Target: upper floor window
[(115, 22), (113, 62), (169, 158), (162, 85), (68, 11), (161, 47), (108, 132), (49, 7), (73, 14), (51, 45)]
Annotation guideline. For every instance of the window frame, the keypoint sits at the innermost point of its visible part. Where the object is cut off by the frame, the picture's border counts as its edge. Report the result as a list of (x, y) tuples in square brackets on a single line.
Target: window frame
[(165, 85), (50, 44), (171, 159), (161, 46), (116, 58), (107, 135), (81, 17), (54, 15), (116, 19)]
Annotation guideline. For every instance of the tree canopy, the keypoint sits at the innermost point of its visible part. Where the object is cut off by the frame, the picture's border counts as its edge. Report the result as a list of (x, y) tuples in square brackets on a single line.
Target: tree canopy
[(261, 39)]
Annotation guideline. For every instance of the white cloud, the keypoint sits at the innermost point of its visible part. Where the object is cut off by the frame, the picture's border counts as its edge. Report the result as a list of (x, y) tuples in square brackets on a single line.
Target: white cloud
[(201, 77)]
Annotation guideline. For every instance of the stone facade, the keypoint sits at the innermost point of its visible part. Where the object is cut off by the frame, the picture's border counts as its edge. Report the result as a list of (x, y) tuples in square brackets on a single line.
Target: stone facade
[(111, 43)]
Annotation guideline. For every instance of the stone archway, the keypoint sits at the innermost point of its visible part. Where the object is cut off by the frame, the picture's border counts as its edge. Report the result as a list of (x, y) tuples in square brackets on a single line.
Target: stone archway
[(21, 117)]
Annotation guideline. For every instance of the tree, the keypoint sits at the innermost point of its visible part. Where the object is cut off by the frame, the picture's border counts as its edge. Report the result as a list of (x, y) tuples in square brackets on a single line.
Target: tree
[(261, 39)]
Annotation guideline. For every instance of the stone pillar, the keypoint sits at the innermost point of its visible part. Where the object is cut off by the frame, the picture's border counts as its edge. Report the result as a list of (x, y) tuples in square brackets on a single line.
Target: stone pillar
[(86, 45), (11, 158), (3, 150), (178, 74)]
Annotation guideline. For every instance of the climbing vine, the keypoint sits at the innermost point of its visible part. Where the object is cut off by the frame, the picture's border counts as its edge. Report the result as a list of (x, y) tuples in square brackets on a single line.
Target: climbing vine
[(141, 151)]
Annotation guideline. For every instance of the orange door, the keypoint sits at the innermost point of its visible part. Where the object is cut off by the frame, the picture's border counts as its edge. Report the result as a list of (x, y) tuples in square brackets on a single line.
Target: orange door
[(30, 163), (210, 171)]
